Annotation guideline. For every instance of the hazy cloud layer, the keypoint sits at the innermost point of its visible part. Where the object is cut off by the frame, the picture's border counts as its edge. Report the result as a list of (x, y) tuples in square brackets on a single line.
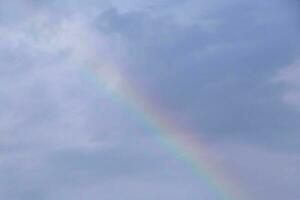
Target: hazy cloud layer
[(228, 71)]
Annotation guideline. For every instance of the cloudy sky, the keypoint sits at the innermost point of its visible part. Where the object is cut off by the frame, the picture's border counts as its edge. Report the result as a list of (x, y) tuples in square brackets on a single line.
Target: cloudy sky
[(226, 71)]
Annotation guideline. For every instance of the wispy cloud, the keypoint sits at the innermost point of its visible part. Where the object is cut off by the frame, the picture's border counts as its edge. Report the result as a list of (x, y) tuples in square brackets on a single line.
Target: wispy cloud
[(290, 78)]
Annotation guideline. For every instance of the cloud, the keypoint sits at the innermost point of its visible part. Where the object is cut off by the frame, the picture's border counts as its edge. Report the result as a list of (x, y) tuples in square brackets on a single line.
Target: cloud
[(63, 135), (267, 174), (43, 92), (212, 77), (55, 122), (290, 78)]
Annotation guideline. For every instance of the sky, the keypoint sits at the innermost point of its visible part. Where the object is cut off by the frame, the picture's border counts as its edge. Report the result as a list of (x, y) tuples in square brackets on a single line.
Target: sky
[(225, 72)]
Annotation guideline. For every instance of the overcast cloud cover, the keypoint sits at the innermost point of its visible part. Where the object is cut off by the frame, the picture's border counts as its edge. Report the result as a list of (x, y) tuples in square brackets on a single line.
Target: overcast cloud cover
[(227, 70)]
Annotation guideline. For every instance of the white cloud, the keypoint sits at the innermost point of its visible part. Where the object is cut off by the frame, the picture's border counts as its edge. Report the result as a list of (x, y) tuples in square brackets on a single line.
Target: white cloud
[(46, 99), (290, 77)]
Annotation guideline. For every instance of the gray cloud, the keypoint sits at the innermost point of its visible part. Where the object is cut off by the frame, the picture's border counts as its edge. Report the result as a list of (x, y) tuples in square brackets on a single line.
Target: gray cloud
[(210, 65), (215, 75), (263, 171)]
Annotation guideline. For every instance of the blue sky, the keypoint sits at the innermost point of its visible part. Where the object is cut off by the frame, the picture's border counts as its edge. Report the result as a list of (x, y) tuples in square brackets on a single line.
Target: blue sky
[(228, 71)]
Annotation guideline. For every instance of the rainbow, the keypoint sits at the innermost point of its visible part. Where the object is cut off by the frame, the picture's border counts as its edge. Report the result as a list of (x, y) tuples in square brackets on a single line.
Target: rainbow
[(180, 142)]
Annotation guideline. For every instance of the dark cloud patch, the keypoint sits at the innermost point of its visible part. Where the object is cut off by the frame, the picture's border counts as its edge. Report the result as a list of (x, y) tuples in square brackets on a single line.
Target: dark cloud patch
[(217, 77)]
